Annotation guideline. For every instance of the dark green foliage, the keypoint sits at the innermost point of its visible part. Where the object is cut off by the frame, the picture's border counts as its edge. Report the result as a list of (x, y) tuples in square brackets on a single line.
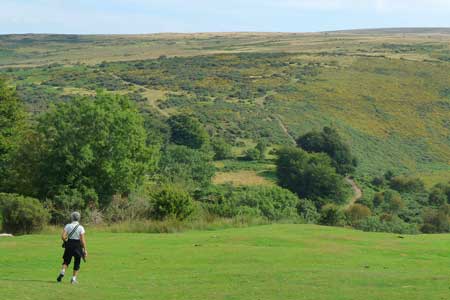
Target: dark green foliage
[(261, 147), (94, 144), (437, 197), (189, 167), (437, 221), (307, 210), (67, 201), (394, 225), (252, 154), (328, 141), (221, 148), (158, 131), (357, 212), (273, 203), (440, 194), (407, 184), (331, 215), (12, 134), (22, 215), (310, 175), (188, 131), (388, 201), (170, 201)]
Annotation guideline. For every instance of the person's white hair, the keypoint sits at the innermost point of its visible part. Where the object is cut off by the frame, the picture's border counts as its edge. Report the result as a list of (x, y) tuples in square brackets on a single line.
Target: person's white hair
[(75, 216)]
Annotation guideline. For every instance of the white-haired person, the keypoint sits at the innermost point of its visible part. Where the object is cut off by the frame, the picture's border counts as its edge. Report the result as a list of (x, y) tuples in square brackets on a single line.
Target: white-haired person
[(74, 242)]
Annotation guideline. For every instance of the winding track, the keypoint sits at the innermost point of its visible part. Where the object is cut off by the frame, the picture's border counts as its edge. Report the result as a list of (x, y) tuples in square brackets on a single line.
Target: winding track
[(357, 192)]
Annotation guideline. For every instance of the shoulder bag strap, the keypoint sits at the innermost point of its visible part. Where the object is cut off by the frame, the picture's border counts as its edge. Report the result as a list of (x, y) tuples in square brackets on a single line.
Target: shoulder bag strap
[(72, 232)]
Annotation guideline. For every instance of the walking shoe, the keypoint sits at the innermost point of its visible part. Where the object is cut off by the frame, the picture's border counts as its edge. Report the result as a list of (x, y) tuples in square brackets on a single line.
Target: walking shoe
[(73, 281), (60, 277)]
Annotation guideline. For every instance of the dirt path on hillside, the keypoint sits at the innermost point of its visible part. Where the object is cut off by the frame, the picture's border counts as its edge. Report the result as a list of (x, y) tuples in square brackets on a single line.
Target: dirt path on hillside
[(285, 129), (357, 192), (150, 100)]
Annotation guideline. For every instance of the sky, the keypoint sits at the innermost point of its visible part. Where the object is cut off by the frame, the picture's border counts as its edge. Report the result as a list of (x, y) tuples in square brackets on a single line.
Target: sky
[(152, 16)]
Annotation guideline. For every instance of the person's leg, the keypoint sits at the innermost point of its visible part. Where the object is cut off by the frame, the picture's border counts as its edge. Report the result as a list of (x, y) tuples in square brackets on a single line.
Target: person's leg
[(65, 264), (76, 269)]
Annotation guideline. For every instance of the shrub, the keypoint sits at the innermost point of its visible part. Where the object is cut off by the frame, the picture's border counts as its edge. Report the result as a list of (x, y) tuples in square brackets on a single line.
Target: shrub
[(393, 202), (437, 197), (437, 221), (331, 215), (22, 215), (188, 167), (67, 201), (273, 203), (378, 199), (356, 213), (407, 184), (378, 181), (128, 209), (188, 131), (308, 211), (389, 201), (440, 194), (252, 154), (222, 149), (394, 225), (171, 202)]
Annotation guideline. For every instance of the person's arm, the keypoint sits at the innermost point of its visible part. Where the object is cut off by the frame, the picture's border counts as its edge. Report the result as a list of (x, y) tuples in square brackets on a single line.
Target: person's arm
[(83, 243), (64, 235)]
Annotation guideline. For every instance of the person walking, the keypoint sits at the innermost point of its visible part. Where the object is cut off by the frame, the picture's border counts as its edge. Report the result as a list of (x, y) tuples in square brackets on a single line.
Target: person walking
[(74, 243)]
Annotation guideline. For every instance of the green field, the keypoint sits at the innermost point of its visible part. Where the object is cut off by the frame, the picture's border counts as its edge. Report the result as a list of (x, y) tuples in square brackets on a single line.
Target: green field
[(263, 262)]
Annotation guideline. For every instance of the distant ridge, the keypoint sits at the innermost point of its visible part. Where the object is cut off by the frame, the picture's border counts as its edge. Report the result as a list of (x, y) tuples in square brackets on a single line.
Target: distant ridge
[(399, 30)]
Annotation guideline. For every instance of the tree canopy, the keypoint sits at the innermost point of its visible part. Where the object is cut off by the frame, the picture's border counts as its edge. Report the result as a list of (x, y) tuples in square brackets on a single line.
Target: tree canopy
[(330, 142), (310, 175), (188, 131), (94, 144), (12, 131)]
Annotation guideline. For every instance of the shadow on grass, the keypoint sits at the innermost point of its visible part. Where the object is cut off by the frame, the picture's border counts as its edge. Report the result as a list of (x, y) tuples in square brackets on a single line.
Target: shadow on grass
[(28, 280)]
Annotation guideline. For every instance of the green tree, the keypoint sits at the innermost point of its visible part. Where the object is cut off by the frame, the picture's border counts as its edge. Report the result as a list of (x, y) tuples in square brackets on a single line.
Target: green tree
[(310, 175), (187, 131), (221, 149), (261, 147), (95, 144), (330, 142), (188, 167), (12, 134)]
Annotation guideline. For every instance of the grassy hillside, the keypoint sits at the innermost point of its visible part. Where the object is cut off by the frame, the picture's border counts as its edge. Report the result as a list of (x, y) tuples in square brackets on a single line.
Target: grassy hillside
[(266, 262), (387, 91)]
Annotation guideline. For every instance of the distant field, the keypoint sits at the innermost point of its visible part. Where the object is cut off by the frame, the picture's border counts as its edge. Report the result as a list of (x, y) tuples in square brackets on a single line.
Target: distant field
[(26, 50), (265, 262), (239, 178)]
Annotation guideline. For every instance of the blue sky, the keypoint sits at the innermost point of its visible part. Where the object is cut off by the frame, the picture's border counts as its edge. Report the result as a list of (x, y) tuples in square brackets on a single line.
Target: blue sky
[(150, 16)]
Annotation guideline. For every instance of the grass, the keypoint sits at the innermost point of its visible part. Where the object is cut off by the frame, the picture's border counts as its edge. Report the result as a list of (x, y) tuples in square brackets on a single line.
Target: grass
[(241, 178), (263, 262)]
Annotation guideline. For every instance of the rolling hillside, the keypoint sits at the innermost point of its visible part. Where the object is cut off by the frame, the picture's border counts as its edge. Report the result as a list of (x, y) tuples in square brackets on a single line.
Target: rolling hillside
[(387, 91)]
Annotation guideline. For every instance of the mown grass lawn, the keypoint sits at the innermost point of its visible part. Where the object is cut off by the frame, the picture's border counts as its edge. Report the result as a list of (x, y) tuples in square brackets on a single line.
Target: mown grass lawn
[(264, 262)]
